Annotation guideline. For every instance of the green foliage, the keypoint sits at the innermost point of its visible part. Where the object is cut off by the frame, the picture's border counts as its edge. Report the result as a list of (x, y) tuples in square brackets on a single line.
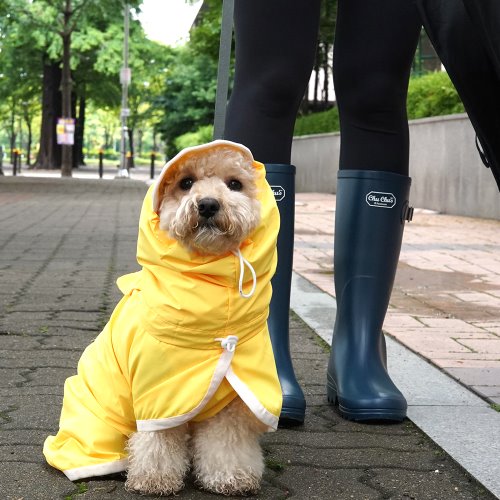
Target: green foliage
[(191, 79), (188, 102), (201, 136), (430, 95), (433, 95), (30, 33), (318, 123)]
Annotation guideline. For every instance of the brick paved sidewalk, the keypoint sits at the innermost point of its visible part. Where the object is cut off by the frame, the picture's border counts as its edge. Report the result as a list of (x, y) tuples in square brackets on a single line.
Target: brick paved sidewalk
[(62, 245), (446, 300)]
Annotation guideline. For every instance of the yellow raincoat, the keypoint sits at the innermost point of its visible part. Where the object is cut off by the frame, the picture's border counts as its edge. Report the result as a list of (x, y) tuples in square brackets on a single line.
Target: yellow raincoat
[(180, 345)]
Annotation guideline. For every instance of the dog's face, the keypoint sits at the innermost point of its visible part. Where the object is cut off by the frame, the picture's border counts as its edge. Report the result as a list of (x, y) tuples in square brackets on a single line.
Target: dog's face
[(209, 203)]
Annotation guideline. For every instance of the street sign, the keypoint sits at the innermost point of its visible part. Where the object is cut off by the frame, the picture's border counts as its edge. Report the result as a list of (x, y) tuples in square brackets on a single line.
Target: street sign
[(125, 76), (65, 130)]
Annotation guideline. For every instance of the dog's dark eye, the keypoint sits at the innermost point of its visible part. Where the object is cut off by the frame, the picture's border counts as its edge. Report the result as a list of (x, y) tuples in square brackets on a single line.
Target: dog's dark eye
[(186, 184), (235, 185)]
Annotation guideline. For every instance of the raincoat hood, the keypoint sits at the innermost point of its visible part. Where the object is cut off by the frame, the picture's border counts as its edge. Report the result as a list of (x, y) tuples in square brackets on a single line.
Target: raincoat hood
[(173, 277), (181, 345)]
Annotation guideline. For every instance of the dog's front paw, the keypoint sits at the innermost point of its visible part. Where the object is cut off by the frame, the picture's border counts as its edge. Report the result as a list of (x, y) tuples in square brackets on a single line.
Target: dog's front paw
[(155, 483), (158, 461), (235, 482)]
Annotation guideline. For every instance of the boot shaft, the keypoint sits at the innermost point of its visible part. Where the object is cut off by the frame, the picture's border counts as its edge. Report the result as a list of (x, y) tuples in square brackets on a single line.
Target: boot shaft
[(372, 208)]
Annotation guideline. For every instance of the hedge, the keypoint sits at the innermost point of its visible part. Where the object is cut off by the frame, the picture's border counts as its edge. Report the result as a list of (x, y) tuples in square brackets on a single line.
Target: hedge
[(430, 95)]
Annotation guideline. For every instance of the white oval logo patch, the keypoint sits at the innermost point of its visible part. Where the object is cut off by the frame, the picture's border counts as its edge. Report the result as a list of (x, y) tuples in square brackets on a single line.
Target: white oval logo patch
[(382, 200), (279, 192)]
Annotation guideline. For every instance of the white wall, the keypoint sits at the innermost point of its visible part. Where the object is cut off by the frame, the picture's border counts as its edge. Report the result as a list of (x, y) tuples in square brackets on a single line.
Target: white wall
[(447, 173)]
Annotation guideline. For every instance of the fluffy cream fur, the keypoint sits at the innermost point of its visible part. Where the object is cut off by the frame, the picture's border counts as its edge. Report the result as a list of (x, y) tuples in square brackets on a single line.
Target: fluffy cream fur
[(227, 457), (224, 450), (212, 174), (158, 461)]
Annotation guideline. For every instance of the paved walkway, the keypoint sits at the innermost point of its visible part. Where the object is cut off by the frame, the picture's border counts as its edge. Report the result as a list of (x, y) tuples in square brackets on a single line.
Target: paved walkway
[(62, 245), (446, 300)]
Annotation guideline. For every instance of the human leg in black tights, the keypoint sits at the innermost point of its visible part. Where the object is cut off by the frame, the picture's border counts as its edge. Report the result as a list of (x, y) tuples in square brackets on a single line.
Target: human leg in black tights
[(375, 42), (275, 48), (374, 47)]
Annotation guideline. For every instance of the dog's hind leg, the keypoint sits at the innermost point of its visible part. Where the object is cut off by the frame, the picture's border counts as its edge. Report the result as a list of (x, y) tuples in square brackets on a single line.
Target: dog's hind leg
[(227, 456), (158, 461)]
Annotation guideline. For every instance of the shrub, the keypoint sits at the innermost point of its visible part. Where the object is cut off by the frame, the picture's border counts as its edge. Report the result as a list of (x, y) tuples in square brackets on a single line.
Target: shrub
[(201, 136), (318, 123), (432, 95)]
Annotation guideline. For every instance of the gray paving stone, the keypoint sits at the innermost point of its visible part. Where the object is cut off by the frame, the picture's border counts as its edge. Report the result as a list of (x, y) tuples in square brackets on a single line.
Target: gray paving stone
[(64, 295)]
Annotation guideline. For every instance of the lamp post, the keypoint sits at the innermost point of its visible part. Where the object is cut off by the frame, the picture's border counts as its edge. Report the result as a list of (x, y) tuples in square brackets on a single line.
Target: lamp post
[(125, 79)]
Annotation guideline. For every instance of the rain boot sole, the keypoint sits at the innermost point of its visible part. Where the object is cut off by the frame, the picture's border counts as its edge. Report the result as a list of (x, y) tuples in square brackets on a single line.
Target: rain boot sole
[(291, 416), (364, 414)]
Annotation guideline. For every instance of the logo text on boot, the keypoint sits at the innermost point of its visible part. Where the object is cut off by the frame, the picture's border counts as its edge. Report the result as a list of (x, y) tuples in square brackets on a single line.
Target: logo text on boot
[(279, 192), (381, 200)]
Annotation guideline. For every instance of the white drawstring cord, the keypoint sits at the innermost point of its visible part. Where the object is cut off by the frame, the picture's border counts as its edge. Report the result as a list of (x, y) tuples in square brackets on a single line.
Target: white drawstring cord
[(228, 343), (244, 262)]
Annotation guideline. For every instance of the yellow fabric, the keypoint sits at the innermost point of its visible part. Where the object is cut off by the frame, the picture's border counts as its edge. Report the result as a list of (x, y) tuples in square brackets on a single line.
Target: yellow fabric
[(156, 357)]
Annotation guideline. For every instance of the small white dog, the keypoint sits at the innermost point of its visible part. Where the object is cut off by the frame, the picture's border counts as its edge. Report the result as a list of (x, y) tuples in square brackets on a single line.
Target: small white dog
[(183, 375)]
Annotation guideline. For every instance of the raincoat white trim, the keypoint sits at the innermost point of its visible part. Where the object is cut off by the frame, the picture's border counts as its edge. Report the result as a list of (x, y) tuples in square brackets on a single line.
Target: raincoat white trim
[(222, 369), (96, 470)]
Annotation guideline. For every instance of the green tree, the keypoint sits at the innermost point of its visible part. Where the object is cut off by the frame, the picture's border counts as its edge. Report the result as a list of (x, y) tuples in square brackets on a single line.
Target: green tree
[(65, 31), (191, 79), (19, 81)]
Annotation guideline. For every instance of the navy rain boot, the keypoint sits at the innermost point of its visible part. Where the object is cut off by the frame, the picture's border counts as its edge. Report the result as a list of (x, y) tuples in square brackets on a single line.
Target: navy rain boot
[(372, 207), (282, 180)]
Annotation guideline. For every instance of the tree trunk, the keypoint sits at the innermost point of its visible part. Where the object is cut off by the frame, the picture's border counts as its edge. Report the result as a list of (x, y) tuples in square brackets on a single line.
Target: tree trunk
[(12, 131), (107, 138), (49, 155), (316, 78), (66, 87), (28, 145), (326, 77), (140, 135), (28, 120), (79, 132), (130, 132)]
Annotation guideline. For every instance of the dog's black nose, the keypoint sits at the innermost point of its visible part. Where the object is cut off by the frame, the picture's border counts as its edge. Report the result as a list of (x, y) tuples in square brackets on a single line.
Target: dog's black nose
[(208, 207)]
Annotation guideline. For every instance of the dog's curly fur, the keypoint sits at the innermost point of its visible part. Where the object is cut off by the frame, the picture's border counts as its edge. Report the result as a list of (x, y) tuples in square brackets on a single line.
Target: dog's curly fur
[(214, 175), (223, 450)]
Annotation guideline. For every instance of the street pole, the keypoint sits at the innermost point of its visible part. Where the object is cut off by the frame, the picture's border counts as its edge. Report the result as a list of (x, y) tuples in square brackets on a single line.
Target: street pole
[(125, 78), (226, 38)]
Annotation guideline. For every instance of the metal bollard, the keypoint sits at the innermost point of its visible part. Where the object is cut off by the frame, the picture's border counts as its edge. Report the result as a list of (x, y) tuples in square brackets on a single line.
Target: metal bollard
[(153, 157), (101, 168)]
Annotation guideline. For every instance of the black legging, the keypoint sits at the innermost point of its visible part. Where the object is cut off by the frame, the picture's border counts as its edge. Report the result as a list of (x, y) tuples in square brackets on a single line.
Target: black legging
[(275, 47)]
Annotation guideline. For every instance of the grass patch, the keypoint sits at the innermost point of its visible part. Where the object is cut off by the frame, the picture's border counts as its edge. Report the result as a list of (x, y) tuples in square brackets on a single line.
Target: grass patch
[(495, 406), (80, 489), (275, 465), (325, 346)]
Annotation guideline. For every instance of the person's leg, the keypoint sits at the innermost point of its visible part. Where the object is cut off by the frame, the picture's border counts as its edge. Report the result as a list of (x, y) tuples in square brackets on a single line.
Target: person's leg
[(374, 47), (275, 48)]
